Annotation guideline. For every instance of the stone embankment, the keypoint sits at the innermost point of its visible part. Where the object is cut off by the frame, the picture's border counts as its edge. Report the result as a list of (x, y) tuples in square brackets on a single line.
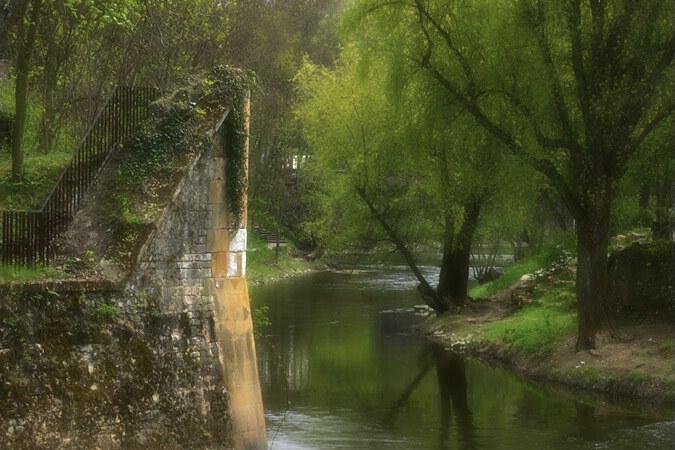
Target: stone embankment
[(162, 358)]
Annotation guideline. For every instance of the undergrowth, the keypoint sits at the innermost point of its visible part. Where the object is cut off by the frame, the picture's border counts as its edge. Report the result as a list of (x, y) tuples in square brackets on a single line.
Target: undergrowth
[(510, 276), (262, 263), (41, 173), (547, 314), (15, 273)]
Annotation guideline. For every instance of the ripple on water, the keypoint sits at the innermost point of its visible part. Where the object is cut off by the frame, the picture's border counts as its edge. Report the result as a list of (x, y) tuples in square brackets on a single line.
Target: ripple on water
[(655, 436), (319, 430)]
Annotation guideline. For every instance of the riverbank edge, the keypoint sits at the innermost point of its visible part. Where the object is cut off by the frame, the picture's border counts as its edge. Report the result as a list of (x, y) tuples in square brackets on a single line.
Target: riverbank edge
[(259, 273), (631, 389)]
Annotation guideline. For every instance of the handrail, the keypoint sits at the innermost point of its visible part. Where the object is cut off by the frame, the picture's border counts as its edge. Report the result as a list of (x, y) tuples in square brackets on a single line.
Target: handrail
[(113, 124)]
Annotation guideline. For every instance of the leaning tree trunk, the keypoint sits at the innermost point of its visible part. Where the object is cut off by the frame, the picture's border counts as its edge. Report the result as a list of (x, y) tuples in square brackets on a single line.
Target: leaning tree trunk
[(429, 295), (592, 273), (453, 280)]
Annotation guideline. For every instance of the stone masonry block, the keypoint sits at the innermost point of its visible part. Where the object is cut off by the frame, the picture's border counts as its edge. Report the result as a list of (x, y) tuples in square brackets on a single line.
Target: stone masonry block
[(221, 216), (216, 192), (219, 144), (219, 264), (218, 241), (236, 264)]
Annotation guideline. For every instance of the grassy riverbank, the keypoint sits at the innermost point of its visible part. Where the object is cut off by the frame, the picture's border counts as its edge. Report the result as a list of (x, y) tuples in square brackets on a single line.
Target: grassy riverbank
[(263, 264), (526, 321)]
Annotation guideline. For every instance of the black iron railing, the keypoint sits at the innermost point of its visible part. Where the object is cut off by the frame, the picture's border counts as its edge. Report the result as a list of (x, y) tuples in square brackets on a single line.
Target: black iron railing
[(27, 236)]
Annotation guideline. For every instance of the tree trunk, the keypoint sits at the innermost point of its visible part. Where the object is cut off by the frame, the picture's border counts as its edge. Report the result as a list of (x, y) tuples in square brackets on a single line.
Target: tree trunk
[(430, 296), (47, 133), (26, 39), (453, 281), (592, 274)]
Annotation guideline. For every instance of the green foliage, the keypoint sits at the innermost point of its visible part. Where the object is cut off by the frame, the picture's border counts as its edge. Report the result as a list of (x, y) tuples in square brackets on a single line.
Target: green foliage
[(154, 158), (42, 172), (588, 104), (537, 328), (107, 312), (558, 251), (153, 148), (263, 264), (233, 87), (16, 273), (555, 257), (261, 319), (510, 276)]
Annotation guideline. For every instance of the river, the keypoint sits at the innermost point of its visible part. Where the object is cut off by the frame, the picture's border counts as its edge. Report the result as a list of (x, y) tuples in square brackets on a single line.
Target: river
[(341, 368)]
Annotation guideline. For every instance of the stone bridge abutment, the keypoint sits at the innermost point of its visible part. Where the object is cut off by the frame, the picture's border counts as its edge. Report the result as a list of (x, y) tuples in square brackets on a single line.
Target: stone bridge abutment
[(163, 359)]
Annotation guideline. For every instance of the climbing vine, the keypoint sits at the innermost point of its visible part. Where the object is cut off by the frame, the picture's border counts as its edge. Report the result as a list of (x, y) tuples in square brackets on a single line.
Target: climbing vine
[(232, 86), (179, 125)]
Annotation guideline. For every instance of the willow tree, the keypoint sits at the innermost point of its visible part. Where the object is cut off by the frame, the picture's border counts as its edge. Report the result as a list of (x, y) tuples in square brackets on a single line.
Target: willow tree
[(572, 87), (390, 170)]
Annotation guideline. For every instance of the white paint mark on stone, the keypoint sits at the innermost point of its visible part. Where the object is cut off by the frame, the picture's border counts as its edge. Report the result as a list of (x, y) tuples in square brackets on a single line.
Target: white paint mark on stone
[(238, 241)]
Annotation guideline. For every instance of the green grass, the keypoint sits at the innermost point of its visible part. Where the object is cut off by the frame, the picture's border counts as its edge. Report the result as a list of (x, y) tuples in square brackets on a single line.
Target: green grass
[(544, 320), (510, 276), (262, 266), (40, 175), (534, 330), (13, 273)]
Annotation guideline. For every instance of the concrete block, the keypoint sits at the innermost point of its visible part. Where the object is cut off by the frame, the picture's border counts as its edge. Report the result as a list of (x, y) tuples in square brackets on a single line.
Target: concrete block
[(218, 241)]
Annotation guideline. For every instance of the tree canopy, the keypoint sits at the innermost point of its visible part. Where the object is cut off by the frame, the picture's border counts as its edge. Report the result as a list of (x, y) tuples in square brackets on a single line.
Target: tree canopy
[(575, 89)]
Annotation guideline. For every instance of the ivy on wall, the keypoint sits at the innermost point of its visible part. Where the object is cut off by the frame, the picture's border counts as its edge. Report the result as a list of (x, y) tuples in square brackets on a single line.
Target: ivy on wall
[(179, 124), (233, 86)]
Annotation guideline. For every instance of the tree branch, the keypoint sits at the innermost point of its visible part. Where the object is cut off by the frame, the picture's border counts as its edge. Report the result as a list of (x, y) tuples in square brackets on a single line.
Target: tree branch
[(634, 144), (429, 295), (569, 135), (542, 165), (574, 25), (466, 67)]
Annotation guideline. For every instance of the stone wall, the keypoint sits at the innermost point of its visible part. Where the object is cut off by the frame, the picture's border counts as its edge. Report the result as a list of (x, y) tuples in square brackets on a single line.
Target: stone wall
[(194, 266), (77, 372), (164, 360), (642, 282)]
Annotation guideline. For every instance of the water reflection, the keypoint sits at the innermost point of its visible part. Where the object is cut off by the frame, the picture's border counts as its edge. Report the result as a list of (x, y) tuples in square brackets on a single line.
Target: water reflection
[(452, 387), (340, 369), (452, 394)]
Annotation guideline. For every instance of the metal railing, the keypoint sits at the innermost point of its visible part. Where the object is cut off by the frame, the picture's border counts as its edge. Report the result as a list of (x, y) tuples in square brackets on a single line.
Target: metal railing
[(27, 236)]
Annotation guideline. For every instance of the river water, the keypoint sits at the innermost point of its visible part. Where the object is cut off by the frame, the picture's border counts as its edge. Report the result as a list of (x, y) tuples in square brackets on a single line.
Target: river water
[(341, 368)]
